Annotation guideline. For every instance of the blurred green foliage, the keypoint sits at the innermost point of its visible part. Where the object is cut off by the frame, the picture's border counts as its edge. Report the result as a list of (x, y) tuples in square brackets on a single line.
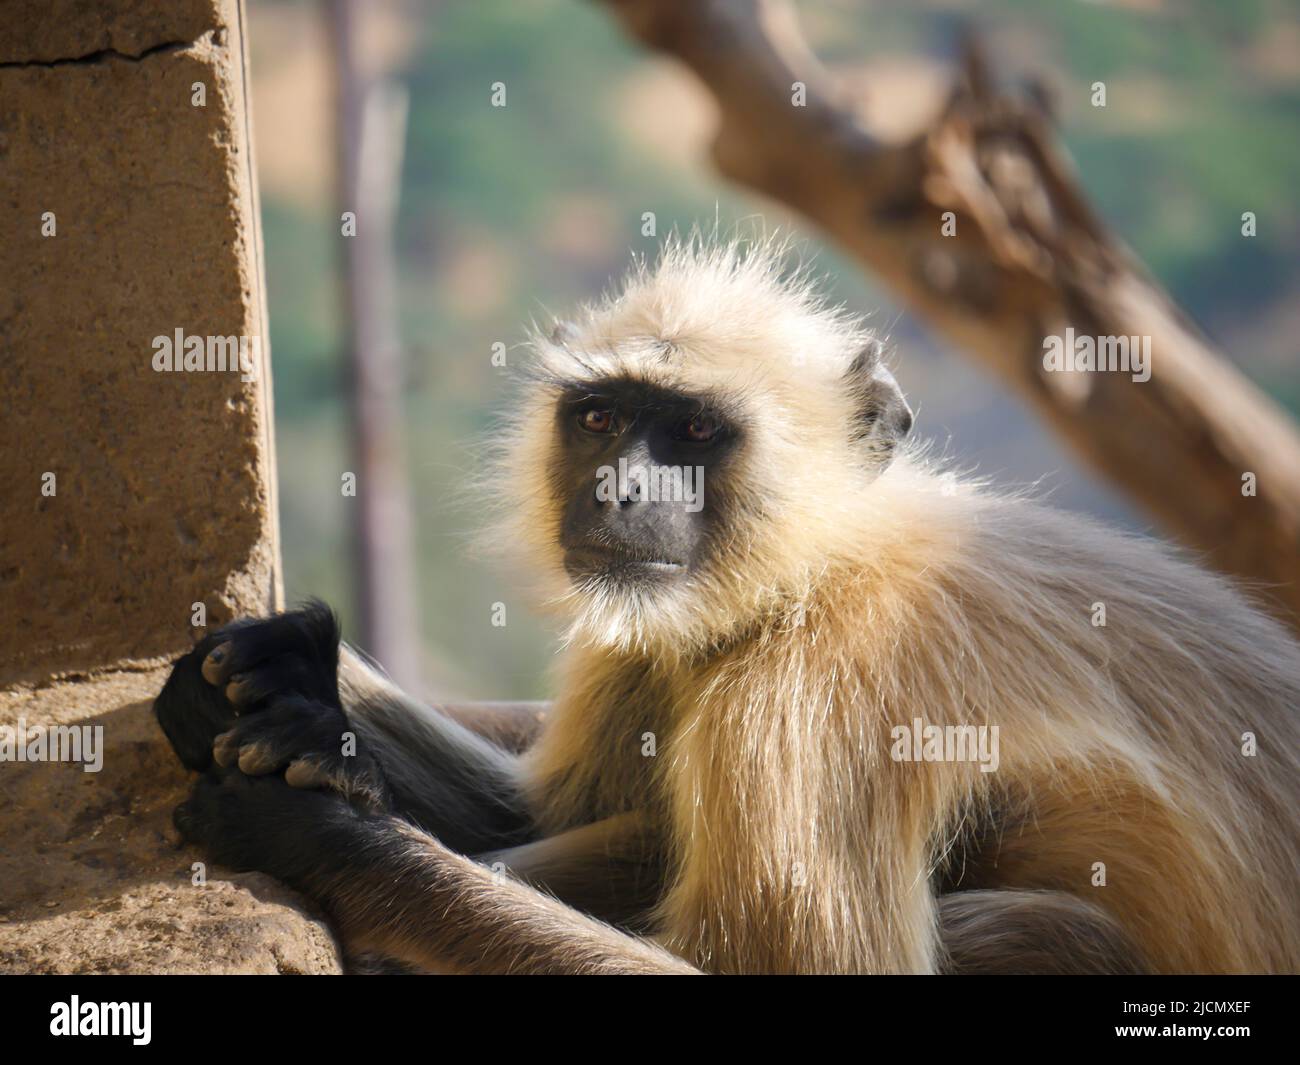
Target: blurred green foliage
[(507, 212)]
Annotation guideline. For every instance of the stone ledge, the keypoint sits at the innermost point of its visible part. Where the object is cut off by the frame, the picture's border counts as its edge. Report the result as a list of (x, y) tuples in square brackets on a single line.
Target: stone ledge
[(93, 878)]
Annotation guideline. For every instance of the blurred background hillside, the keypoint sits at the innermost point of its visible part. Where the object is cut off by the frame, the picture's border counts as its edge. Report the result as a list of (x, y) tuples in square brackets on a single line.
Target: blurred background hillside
[(508, 213)]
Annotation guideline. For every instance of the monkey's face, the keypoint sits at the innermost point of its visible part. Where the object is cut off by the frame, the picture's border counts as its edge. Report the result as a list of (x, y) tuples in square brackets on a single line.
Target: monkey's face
[(667, 506), (682, 508), (633, 470), (692, 455)]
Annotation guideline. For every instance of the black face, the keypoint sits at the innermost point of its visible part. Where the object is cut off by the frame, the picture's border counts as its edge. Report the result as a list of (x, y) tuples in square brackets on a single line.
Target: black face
[(636, 466)]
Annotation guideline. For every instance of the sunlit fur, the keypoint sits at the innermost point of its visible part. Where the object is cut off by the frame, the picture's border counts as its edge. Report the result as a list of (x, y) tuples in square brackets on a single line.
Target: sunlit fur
[(708, 319), (844, 601)]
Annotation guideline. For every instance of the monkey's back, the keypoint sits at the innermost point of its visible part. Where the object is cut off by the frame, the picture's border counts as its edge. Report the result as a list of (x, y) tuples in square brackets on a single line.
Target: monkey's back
[(1149, 722)]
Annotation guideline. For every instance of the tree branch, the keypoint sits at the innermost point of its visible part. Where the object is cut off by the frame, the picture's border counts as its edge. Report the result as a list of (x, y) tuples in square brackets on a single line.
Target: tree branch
[(1029, 259)]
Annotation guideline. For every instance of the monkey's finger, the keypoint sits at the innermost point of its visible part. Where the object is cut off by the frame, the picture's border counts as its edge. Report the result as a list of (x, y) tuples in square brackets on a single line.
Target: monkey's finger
[(248, 688), (254, 759), (336, 773), (309, 635), (311, 772), (255, 754), (213, 671), (258, 759), (245, 644), (265, 742), (225, 748)]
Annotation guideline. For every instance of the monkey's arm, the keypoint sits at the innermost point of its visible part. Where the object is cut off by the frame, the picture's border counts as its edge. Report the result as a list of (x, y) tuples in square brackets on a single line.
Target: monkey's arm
[(450, 779), (263, 694), (268, 694), (395, 890), (612, 869)]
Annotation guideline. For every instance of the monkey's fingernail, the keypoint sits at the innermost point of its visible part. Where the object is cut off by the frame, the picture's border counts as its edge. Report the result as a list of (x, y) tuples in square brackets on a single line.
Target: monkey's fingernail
[(212, 664), (234, 689), (255, 760), (224, 749), (305, 774)]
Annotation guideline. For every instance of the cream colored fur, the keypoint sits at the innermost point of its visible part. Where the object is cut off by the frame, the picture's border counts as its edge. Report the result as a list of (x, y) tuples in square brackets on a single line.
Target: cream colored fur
[(845, 601)]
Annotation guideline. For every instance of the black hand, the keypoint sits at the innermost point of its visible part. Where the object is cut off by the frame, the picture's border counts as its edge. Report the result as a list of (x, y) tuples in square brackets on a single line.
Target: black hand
[(296, 653), (263, 824), (312, 742)]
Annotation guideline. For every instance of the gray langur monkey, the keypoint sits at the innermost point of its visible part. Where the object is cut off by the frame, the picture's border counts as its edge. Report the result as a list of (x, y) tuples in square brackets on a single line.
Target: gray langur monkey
[(836, 712)]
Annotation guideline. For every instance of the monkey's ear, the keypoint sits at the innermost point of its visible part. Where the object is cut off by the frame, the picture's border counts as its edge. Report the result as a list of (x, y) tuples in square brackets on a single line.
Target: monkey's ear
[(883, 416)]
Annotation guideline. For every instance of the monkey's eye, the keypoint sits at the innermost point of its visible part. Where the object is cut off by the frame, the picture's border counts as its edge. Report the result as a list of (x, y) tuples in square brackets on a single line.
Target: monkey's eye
[(700, 429), (597, 421)]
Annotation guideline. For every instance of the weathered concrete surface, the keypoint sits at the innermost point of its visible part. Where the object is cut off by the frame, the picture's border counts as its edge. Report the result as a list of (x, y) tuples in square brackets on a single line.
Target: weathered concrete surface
[(164, 493), (163, 482), (49, 31), (93, 877)]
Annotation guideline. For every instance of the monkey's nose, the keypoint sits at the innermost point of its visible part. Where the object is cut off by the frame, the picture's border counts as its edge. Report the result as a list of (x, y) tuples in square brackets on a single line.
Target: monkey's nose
[(633, 493), (617, 496)]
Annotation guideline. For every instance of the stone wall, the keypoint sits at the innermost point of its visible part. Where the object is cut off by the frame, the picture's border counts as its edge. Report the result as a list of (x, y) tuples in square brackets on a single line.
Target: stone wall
[(137, 505), (128, 213)]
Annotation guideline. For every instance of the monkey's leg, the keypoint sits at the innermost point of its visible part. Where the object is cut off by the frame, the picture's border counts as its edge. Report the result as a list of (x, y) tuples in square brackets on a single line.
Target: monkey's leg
[(611, 869), (513, 727), (394, 890), (1031, 932)]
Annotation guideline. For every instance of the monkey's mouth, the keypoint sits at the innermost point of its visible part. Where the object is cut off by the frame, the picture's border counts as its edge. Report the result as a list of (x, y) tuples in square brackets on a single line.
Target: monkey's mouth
[(619, 563)]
